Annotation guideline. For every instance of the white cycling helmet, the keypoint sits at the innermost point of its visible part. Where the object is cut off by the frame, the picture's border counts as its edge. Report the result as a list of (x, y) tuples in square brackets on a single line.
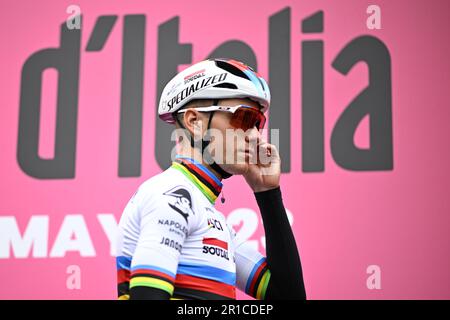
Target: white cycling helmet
[(212, 79)]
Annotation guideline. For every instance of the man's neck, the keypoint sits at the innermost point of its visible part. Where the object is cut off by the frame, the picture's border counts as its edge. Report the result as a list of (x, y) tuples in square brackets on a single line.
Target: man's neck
[(195, 154)]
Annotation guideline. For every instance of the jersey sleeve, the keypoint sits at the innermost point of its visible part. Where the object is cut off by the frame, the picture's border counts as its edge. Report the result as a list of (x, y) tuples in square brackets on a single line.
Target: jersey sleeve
[(165, 220), (252, 273)]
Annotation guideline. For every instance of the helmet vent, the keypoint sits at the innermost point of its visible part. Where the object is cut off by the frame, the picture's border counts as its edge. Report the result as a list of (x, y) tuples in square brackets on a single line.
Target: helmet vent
[(226, 85), (232, 69)]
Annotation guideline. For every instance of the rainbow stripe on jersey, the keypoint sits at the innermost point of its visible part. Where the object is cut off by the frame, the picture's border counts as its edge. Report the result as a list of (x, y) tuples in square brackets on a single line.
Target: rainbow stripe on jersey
[(200, 176)]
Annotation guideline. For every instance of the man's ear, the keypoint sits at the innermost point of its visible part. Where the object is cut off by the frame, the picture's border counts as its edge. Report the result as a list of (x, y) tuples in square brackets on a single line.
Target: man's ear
[(193, 121)]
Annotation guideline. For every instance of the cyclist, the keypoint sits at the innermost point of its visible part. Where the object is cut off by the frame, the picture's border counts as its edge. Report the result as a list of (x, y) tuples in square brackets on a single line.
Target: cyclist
[(173, 243)]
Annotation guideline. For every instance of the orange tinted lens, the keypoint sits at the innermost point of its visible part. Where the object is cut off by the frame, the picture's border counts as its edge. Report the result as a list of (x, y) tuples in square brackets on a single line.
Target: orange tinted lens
[(247, 118)]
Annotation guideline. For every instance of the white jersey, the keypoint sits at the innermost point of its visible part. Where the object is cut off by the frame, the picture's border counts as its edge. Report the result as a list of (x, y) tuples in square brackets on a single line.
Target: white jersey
[(171, 237)]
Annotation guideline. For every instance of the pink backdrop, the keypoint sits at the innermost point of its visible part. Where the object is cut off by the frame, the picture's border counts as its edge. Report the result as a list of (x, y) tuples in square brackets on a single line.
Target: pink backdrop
[(344, 221)]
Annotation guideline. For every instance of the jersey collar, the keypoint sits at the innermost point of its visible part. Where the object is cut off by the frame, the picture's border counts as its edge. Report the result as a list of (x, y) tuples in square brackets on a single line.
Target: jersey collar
[(200, 176)]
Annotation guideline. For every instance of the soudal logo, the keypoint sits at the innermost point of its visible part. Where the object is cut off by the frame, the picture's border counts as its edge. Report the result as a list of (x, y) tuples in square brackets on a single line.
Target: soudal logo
[(193, 76), (215, 247)]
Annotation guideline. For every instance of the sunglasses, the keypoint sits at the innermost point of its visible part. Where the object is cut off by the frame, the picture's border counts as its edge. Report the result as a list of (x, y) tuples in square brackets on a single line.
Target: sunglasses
[(244, 117)]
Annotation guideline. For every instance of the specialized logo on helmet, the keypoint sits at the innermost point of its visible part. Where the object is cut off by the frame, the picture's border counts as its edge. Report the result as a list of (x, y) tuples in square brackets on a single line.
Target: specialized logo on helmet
[(208, 81), (180, 200)]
